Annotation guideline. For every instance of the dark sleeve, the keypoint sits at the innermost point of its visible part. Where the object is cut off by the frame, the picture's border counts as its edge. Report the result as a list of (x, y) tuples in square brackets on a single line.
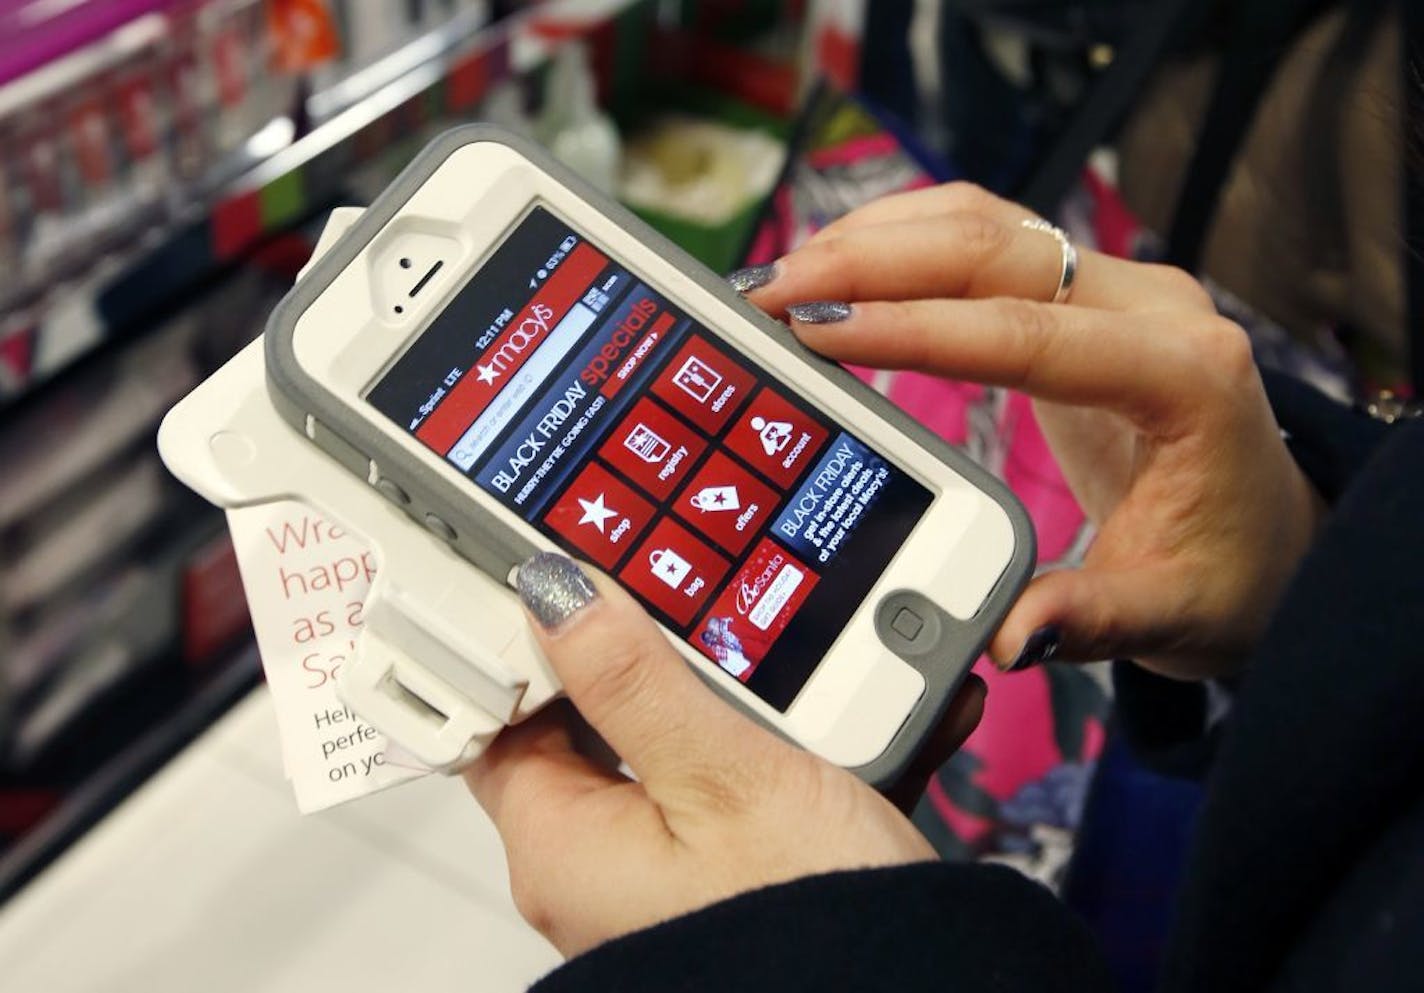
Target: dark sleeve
[(930, 926), (1167, 721), (1330, 441)]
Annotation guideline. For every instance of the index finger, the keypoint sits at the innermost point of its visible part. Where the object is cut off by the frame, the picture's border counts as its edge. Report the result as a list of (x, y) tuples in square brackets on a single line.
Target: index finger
[(957, 255), (918, 205), (1058, 352), (984, 248)]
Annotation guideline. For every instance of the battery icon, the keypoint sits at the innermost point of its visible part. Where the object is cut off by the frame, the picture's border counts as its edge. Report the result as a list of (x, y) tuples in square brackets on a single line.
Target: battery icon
[(567, 245)]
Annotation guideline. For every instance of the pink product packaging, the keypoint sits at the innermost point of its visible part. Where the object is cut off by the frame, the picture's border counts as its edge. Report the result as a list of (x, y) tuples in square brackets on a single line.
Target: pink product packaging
[(27, 42)]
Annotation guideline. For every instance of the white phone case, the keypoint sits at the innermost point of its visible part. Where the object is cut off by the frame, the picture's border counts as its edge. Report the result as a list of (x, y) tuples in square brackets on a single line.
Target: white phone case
[(445, 659)]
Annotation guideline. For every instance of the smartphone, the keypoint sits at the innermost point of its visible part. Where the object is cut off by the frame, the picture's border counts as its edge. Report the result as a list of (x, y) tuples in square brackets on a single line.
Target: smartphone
[(520, 364)]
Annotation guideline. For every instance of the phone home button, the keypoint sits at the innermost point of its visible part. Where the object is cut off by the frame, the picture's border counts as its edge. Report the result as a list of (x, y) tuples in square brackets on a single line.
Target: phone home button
[(907, 624)]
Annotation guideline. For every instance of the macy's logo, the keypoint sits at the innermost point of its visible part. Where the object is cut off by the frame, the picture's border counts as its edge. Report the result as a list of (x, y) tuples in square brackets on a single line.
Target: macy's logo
[(525, 333)]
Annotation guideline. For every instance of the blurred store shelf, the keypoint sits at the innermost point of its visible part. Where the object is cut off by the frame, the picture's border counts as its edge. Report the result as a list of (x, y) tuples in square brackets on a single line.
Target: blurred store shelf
[(123, 628), (98, 253)]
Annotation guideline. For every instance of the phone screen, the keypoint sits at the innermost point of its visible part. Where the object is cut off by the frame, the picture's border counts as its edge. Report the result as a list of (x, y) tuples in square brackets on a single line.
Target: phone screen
[(565, 387)]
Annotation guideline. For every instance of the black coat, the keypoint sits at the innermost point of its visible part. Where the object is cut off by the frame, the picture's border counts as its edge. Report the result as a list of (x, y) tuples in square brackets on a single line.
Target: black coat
[(1306, 870)]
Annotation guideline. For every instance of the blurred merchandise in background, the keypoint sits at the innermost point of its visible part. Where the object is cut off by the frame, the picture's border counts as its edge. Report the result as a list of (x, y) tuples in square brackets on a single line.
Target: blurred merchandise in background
[(571, 125), (165, 167), (110, 138)]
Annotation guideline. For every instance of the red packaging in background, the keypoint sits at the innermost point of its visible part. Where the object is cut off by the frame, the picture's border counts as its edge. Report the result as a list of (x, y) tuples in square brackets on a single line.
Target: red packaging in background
[(91, 138), (303, 34), (214, 607), (136, 107)]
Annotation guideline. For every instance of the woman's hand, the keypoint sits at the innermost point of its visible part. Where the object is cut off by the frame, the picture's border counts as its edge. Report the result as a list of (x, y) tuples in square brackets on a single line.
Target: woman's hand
[(721, 806), (1149, 398)]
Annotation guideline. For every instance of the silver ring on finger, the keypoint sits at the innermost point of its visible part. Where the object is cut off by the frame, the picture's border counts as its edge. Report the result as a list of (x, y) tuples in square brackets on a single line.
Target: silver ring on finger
[(1070, 256)]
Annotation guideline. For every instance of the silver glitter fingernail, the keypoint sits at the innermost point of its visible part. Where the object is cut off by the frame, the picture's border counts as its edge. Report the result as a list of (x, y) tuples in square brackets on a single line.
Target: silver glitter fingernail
[(554, 588), (819, 312), (752, 277)]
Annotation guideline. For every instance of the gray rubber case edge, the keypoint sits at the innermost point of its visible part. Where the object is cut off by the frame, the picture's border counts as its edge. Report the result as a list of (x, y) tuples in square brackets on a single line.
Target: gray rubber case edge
[(953, 645)]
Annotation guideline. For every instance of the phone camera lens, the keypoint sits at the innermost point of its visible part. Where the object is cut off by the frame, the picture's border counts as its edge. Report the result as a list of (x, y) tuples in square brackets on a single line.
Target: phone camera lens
[(400, 309), (406, 263)]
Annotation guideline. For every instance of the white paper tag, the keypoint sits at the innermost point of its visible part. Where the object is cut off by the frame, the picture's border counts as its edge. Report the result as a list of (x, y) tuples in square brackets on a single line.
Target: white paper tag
[(306, 581)]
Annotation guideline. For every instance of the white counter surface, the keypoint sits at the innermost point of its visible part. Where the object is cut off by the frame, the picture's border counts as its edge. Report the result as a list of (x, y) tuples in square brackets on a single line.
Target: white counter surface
[(208, 879)]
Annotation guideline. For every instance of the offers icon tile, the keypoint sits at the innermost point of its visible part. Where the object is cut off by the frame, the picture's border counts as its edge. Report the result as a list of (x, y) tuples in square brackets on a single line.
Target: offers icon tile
[(726, 503), (703, 385), (674, 571), (600, 515)]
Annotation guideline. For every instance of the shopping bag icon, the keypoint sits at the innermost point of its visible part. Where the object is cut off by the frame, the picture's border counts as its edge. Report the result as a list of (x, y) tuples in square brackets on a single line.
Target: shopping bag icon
[(669, 566)]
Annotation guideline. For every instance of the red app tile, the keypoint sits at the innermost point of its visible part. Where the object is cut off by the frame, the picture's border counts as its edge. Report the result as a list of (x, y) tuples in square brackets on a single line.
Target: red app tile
[(776, 438), (754, 609), (674, 571), (703, 385), (601, 516), (726, 503), (653, 448)]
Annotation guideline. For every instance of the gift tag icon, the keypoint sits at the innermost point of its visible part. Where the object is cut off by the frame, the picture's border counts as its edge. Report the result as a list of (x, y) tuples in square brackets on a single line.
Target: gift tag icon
[(716, 498), (670, 567)]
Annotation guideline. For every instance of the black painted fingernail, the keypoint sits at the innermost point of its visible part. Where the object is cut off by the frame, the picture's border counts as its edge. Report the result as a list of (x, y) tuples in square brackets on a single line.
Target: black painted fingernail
[(1037, 647), (554, 588), (753, 277), (819, 311)]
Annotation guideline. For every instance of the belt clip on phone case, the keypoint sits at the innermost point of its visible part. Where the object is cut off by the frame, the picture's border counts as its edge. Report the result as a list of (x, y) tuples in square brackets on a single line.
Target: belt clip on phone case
[(227, 442)]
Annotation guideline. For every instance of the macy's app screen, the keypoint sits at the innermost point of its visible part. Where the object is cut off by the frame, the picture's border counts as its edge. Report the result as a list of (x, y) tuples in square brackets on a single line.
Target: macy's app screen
[(587, 403)]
